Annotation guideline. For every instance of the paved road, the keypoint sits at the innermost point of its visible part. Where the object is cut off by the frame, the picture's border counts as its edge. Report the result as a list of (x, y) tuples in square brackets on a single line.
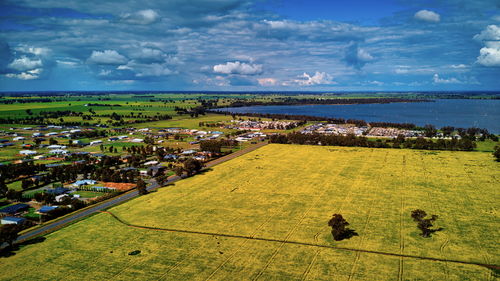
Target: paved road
[(122, 198)]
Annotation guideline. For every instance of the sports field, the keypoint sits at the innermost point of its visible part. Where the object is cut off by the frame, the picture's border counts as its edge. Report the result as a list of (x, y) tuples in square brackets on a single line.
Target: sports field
[(264, 216)]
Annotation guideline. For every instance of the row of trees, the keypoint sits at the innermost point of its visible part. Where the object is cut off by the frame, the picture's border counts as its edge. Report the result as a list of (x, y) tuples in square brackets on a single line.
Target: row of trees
[(351, 140)]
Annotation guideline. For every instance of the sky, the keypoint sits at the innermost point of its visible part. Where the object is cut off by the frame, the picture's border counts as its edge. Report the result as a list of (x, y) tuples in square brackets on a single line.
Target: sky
[(247, 45)]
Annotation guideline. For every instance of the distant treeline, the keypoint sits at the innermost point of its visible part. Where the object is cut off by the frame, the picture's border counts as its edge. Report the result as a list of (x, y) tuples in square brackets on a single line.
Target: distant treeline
[(103, 104), (40, 100), (300, 101), (351, 140)]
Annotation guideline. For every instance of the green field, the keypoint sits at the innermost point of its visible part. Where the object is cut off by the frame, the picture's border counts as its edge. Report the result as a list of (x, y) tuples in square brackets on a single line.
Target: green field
[(287, 193)]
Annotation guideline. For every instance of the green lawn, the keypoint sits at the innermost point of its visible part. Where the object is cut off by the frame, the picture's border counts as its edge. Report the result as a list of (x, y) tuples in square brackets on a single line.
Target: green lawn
[(288, 193)]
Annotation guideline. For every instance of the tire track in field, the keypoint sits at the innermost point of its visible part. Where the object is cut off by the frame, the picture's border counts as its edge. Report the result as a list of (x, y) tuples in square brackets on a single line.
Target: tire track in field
[(433, 206), (342, 205), (242, 245), (294, 228), (201, 250), (313, 261), (340, 171), (307, 244), (354, 267), (401, 221), (465, 195)]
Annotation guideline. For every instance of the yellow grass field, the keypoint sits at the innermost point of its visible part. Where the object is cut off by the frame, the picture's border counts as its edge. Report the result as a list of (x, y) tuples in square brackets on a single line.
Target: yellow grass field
[(283, 196)]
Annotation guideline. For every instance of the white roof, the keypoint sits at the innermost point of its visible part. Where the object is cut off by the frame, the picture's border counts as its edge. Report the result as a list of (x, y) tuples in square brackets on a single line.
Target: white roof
[(28, 152)]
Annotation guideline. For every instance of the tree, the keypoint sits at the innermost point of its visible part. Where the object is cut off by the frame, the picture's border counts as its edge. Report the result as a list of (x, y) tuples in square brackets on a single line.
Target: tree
[(3, 187), (496, 153), (424, 224), (9, 233), (141, 187), (192, 166), (339, 228)]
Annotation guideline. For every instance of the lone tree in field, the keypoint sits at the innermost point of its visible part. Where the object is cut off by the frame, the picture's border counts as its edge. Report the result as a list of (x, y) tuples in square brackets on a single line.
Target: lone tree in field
[(424, 224), (339, 228), (141, 187)]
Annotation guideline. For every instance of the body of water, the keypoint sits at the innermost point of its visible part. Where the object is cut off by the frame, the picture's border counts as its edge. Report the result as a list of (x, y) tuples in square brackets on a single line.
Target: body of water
[(462, 113)]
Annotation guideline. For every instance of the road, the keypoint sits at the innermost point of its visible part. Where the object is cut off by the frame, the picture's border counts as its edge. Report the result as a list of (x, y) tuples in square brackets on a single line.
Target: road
[(78, 215)]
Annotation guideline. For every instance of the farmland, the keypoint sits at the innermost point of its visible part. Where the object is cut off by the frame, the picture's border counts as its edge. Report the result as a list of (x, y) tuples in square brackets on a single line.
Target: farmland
[(283, 196)]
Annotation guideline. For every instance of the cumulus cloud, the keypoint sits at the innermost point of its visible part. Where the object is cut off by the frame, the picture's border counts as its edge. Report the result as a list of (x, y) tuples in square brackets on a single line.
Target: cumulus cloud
[(238, 68), (27, 75), (24, 63), (267, 81), (357, 57), (490, 54), (458, 66), (437, 80), (427, 16), (491, 33), (147, 55), (489, 57), (110, 57), (319, 78), (141, 17), (38, 51), (142, 70)]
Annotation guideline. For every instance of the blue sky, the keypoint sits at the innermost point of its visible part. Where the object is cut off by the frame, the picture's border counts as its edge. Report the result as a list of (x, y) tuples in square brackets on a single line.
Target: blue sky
[(240, 45)]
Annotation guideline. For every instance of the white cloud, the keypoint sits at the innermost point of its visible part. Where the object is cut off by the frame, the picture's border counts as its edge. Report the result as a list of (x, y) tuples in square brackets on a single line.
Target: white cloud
[(458, 66), (238, 68), (24, 63), (141, 17), (428, 16), (491, 33), (489, 56), (147, 54), (268, 81), (319, 78), (28, 75), (146, 70), (111, 57), (38, 51), (437, 80)]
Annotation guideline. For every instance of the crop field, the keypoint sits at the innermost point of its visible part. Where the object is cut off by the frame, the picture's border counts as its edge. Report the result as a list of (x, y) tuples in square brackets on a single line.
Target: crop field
[(263, 216)]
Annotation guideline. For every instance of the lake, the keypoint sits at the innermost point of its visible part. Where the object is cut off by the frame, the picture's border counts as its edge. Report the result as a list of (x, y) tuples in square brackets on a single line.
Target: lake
[(462, 113)]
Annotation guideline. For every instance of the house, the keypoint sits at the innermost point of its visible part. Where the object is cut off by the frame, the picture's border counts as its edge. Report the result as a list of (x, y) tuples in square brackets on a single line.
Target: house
[(3, 140), (84, 182), (60, 198), (188, 152), (58, 151), (156, 170), (56, 146), (149, 163), (28, 152), (35, 135), (14, 209), (113, 139), (46, 209), (171, 157), (57, 190), (53, 165), (137, 140), (96, 142), (6, 144), (12, 220), (18, 138), (39, 157)]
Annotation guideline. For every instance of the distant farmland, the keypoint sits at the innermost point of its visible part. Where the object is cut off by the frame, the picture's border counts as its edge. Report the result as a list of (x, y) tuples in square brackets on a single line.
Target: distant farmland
[(264, 216)]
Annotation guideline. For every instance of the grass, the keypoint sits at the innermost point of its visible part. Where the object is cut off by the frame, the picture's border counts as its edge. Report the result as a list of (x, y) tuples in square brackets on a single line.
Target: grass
[(288, 192)]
